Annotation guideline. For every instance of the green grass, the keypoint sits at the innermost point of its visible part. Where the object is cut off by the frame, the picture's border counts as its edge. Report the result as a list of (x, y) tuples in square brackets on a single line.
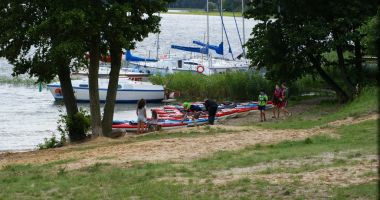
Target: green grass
[(104, 181), (361, 191)]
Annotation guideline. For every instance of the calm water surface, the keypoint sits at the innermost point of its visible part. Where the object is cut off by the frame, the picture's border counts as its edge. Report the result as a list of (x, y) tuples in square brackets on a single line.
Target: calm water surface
[(27, 116)]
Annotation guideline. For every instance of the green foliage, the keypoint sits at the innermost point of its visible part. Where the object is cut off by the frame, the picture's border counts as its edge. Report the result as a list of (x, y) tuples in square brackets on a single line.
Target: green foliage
[(49, 143), (80, 122), (293, 36), (306, 85), (228, 5), (371, 32), (231, 86)]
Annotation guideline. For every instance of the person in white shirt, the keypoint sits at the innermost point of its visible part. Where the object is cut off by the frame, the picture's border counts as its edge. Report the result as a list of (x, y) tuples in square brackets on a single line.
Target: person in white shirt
[(141, 116)]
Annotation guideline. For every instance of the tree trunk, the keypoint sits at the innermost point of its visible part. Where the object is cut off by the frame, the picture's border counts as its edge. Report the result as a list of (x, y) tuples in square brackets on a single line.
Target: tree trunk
[(359, 62), (343, 68), (342, 96), (112, 89), (378, 49), (69, 100), (93, 75)]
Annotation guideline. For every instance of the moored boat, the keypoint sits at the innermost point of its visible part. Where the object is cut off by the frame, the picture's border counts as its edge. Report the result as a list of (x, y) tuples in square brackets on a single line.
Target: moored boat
[(128, 91)]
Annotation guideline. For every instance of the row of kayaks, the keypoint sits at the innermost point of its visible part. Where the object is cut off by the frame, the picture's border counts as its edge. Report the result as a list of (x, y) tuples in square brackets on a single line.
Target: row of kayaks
[(172, 117)]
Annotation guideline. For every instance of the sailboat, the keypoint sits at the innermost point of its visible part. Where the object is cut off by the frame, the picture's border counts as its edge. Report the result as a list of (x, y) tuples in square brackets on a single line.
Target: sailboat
[(206, 63)]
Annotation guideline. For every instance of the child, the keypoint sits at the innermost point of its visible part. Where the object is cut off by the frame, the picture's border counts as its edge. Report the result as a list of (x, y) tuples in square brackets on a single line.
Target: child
[(153, 123), (277, 101), (284, 97), (141, 116), (263, 99)]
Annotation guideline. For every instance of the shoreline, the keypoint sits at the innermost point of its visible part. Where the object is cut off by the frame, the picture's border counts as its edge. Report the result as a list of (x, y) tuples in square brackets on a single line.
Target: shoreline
[(201, 12)]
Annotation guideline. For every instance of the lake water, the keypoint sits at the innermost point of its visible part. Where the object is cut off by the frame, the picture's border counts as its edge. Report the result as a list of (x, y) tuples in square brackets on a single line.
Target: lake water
[(27, 116)]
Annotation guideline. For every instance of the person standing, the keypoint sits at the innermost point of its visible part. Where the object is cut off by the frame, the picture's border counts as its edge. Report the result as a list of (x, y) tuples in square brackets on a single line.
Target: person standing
[(277, 99), (141, 116), (284, 97), (263, 99), (211, 106)]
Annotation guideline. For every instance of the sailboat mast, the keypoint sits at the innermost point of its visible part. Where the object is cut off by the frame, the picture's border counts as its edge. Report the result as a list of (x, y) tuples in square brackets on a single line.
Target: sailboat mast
[(242, 12), (158, 42), (221, 14), (208, 37)]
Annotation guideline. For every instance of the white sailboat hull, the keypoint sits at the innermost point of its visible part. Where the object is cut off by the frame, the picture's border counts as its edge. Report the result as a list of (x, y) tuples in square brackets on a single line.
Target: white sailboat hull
[(130, 92)]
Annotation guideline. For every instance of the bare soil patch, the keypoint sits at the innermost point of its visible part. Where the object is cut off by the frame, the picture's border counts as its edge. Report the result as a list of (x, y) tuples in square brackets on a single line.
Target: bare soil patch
[(357, 170), (342, 176), (175, 149), (180, 149), (354, 120)]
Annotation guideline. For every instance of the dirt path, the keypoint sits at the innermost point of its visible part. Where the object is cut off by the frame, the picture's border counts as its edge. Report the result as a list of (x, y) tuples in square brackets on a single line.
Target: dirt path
[(175, 149)]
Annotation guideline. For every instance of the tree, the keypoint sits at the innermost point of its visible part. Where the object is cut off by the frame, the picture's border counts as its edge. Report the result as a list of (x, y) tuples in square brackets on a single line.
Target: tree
[(95, 18), (127, 22), (294, 34), (42, 38)]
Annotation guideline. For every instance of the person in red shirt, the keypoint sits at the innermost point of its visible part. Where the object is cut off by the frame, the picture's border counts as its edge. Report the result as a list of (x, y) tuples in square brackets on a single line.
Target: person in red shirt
[(277, 99), (284, 100)]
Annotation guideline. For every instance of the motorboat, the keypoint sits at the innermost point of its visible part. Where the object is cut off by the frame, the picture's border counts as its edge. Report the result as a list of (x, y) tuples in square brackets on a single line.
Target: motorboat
[(128, 91)]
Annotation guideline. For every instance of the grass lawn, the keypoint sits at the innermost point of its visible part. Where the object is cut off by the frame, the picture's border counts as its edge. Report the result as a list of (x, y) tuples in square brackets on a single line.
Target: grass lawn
[(275, 171)]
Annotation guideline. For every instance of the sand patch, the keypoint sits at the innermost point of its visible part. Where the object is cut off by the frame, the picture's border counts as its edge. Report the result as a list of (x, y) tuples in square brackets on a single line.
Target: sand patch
[(354, 120), (358, 170), (174, 149), (341, 176)]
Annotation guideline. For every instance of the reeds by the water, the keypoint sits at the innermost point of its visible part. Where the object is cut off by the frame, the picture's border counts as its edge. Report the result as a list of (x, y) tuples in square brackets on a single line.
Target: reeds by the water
[(233, 86), (18, 80)]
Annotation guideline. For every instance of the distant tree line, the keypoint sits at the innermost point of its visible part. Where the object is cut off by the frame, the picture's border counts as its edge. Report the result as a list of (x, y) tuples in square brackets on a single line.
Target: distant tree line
[(230, 5)]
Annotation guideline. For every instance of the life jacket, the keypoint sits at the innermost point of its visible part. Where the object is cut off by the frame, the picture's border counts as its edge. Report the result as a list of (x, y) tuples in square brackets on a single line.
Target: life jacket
[(278, 93), (263, 100), (284, 93)]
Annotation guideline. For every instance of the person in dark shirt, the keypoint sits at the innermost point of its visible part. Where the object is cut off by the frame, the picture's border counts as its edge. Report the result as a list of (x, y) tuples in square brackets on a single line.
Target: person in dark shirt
[(211, 106)]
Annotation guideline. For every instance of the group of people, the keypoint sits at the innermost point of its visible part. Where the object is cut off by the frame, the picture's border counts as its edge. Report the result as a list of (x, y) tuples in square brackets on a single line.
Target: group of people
[(190, 111), (279, 101), (193, 111)]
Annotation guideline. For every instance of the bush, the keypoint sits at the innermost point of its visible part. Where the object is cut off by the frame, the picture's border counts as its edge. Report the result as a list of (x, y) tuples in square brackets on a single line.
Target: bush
[(233, 86), (79, 122), (50, 143)]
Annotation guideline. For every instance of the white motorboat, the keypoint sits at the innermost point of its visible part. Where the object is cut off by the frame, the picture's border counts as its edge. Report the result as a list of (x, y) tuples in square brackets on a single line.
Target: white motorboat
[(128, 91)]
